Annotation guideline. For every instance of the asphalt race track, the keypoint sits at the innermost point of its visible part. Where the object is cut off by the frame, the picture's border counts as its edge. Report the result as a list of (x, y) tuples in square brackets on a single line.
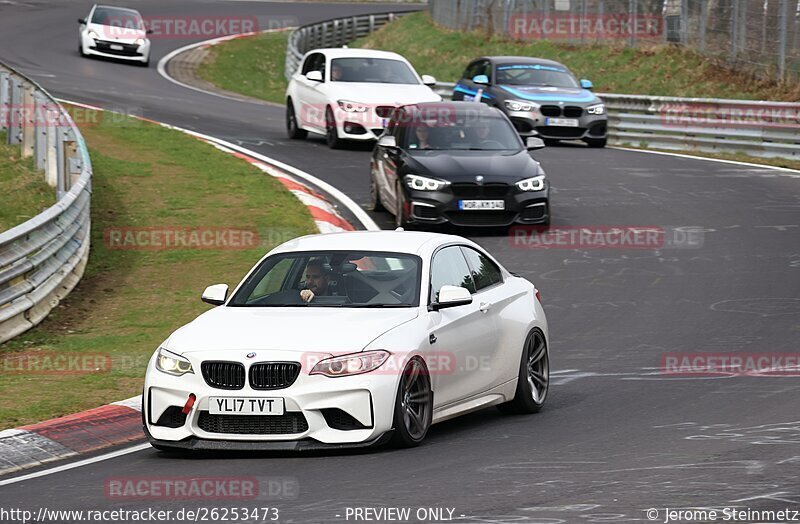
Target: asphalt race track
[(618, 436)]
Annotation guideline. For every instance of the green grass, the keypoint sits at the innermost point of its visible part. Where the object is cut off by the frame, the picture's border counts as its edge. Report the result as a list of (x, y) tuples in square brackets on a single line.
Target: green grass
[(659, 70), (130, 300), (252, 66), (23, 191)]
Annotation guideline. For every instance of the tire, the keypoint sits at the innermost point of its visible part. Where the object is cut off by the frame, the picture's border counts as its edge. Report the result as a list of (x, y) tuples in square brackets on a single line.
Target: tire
[(374, 195), (596, 142), (80, 49), (413, 406), (293, 130), (331, 133), (531, 393)]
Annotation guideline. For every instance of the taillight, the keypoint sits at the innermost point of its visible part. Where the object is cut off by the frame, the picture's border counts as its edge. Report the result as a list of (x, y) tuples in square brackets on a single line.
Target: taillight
[(538, 296)]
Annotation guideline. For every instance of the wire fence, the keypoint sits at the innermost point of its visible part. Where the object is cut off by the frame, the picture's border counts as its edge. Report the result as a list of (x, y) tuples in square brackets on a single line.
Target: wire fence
[(762, 36)]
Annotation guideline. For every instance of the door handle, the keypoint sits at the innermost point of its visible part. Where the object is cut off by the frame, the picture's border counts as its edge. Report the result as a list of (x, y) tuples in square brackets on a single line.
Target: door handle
[(485, 306)]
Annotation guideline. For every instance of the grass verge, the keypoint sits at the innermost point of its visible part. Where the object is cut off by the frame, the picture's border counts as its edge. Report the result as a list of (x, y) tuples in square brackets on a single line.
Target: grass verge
[(252, 66), (658, 70), (23, 191), (129, 300)]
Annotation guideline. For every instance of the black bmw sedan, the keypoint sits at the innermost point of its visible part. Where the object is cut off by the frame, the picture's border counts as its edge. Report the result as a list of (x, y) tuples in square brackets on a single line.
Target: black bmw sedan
[(457, 162)]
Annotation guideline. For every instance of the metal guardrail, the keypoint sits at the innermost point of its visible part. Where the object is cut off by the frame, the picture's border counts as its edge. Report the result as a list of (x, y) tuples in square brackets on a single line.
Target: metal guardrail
[(41, 260), (331, 33), (756, 128)]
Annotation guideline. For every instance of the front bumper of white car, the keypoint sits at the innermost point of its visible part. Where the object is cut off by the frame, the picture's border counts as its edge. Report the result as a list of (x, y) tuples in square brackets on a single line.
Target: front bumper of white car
[(120, 49), (319, 411)]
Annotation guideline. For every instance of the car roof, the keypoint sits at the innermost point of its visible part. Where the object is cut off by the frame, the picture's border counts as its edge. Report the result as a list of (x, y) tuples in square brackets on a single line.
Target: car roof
[(456, 107), (524, 60), (411, 242), (104, 6), (346, 52)]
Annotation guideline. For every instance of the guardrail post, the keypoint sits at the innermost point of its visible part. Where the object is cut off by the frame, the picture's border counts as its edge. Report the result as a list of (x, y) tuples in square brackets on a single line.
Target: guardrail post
[(371, 23), (40, 135), (72, 163), (14, 115), (61, 181), (5, 100), (51, 158), (632, 21), (783, 22), (28, 121)]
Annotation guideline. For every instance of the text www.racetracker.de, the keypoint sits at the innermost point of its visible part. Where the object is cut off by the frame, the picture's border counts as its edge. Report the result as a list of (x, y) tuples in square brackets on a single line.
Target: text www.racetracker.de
[(199, 514)]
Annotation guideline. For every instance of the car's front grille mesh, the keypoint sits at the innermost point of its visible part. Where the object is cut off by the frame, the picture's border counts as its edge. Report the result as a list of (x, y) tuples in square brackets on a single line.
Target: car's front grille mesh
[(550, 110), (291, 422), (471, 189), (273, 375), (173, 417), (568, 111), (341, 420), (223, 375), (573, 111), (384, 111)]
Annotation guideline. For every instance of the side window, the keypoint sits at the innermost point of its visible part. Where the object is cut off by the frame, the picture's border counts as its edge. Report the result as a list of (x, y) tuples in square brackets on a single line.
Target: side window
[(314, 62), (471, 71), (484, 272), (485, 68), (449, 268)]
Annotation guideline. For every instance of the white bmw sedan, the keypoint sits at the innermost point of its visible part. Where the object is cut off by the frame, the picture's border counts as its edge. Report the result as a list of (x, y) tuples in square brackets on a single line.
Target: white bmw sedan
[(349, 94), (350, 339), (114, 32)]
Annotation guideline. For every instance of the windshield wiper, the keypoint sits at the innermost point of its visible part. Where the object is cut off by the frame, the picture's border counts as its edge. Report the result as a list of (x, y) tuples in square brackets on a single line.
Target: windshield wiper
[(378, 305)]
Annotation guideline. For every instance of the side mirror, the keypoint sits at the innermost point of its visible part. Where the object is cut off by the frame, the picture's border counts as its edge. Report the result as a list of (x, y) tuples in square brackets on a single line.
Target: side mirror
[(586, 84), (387, 141), (452, 296), (428, 80), (314, 76), (149, 32), (480, 79), (215, 295), (82, 21), (534, 143)]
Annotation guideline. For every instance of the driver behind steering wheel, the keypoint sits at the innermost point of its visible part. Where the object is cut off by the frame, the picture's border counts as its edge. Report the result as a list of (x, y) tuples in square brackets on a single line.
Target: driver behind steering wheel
[(318, 278)]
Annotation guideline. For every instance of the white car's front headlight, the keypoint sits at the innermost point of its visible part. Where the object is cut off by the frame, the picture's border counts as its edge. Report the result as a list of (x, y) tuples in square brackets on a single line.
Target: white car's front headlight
[(598, 109), (353, 107), (531, 184), (519, 105), (353, 364), (139, 41), (421, 183), (93, 35), (172, 364)]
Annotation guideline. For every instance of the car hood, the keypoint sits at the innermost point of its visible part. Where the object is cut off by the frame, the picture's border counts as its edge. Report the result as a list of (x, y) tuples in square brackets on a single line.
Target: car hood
[(544, 94), (115, 33), (384, 94), (300, 329), (464, 166)]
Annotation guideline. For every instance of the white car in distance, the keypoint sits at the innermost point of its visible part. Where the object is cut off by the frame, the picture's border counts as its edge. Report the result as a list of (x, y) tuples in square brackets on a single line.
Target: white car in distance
[(114, 32), (349, 94), (350, 339)]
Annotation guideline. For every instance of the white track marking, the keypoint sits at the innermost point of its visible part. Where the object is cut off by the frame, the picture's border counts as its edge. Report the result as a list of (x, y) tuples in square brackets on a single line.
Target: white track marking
[(793, 173), (73, 465)]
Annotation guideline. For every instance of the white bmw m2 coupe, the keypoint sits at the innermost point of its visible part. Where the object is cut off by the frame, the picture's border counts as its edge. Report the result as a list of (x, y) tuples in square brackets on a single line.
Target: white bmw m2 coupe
[(350, 94), (350, 339)]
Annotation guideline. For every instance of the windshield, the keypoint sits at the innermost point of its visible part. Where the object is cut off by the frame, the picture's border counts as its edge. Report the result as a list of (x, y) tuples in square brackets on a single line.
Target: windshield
[(534, 75), (471, 132), (372, 70), (333, 279), (114, 17)]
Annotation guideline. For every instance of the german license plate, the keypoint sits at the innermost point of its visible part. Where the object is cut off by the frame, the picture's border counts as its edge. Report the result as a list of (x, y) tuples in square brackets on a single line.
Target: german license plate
[(245, 406), (472, 205), (116, 47), (564, 122)]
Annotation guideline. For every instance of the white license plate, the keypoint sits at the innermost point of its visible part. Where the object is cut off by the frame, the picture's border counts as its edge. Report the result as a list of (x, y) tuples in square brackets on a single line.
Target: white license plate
[(565, 122), (116, 47), (470, 205), (245, 406)]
